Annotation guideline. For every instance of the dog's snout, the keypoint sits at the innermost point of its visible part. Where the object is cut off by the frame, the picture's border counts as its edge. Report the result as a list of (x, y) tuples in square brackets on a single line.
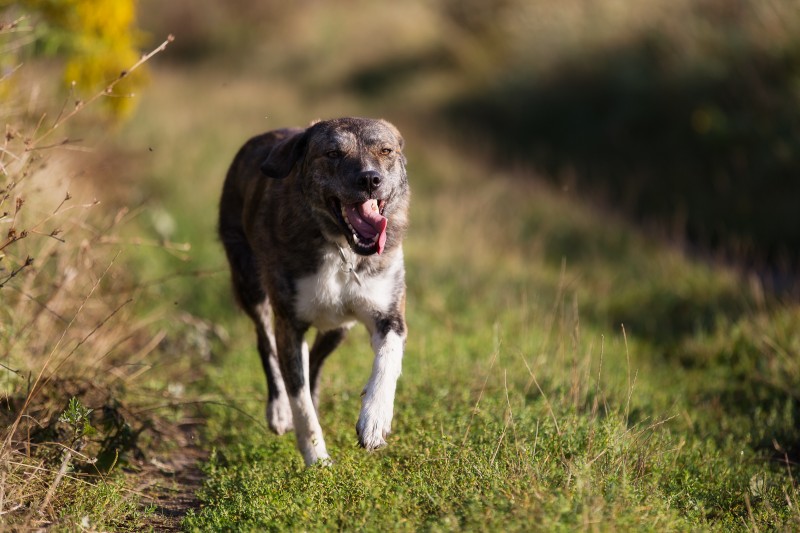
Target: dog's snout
[(369, 180)]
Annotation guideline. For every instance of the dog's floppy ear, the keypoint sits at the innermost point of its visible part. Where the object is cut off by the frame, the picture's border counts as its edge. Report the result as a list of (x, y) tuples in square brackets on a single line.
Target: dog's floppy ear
[(284, 155)]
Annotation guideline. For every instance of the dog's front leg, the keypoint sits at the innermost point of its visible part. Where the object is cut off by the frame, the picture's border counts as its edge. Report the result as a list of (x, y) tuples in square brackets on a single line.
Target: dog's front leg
[(293, 357), (377, 407)]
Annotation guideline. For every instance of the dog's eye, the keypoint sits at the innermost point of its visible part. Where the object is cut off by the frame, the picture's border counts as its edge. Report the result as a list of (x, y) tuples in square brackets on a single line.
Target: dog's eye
[(334, 154), (387, 151)]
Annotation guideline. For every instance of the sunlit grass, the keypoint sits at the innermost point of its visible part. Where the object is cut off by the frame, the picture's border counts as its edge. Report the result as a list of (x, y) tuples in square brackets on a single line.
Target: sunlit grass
[(523, 402)]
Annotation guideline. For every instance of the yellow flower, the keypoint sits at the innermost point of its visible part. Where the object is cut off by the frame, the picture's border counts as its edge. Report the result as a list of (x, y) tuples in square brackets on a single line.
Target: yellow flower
[(102, 42)]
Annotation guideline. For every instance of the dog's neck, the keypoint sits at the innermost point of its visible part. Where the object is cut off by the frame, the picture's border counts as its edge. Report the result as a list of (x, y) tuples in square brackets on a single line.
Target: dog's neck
[(359, 267), (348, 258)]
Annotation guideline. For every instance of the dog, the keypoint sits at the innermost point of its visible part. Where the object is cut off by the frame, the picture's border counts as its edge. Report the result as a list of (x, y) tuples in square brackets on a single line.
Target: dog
[(312, 222)]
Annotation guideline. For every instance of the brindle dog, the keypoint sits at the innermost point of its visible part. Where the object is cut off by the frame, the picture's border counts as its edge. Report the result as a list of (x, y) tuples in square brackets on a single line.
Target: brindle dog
[(312, 222)]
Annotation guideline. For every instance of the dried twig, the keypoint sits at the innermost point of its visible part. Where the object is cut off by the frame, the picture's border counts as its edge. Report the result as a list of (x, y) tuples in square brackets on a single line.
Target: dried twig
[(105, 92)]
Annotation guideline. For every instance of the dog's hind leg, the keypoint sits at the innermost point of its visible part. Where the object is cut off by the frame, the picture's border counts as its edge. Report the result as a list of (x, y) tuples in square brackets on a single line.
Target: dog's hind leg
[(324, 344), (279, 414), (253, 299)]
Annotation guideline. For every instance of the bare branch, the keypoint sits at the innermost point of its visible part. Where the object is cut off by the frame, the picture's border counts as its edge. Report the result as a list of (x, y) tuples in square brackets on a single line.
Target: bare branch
[(105, 92)]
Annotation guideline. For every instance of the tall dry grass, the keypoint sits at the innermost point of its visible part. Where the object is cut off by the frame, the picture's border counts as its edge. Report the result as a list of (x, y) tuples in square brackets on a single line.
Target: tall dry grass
[(69, 338)]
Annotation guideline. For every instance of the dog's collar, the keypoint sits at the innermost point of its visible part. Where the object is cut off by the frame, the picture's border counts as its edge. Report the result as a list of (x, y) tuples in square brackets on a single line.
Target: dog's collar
[(348, 266)]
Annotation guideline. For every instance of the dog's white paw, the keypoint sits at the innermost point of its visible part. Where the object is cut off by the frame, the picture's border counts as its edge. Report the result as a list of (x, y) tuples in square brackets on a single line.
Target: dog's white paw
[(322, 462), (313, 450), (279, 416), (373, 426)]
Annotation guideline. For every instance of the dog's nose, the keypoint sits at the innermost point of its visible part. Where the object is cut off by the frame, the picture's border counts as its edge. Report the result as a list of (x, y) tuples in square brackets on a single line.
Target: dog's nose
[(369, 180)]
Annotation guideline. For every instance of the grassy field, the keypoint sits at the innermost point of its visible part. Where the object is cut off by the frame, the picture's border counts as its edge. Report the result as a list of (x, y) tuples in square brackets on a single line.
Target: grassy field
[(564, 369)]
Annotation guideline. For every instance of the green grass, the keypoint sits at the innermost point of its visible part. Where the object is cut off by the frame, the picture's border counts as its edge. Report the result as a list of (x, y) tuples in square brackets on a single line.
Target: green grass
[(523, 403), (618, 437)]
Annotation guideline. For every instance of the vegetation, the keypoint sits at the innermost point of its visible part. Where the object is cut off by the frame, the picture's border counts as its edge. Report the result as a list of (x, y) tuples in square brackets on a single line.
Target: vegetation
[(98, 38), (521, 402), (565, 369), (70, 340)]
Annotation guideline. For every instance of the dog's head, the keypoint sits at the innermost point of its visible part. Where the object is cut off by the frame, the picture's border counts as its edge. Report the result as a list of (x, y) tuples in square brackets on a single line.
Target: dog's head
[(352, 173)]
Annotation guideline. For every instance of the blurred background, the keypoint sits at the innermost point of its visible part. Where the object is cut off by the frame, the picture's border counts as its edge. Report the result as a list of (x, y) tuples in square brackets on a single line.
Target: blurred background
[(682, 114)]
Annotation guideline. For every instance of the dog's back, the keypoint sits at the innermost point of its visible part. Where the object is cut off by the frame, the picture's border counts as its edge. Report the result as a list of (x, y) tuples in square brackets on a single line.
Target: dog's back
[(244, 184)]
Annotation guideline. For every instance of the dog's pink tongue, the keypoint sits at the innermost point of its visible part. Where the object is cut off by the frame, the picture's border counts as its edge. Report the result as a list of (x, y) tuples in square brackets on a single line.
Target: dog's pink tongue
[(367, 220)]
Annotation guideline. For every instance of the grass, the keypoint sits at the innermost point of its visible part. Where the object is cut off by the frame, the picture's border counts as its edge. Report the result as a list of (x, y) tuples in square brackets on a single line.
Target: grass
[(523, 404), (564, 369), (621, 430), (519, 406)]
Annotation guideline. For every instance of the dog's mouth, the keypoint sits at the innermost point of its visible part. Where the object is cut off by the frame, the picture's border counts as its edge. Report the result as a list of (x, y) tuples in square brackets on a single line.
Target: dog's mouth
[(363, 224)]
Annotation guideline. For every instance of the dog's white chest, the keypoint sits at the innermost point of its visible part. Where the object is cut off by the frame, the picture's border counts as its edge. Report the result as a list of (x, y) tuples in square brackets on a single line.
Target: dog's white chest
[(334, 296)]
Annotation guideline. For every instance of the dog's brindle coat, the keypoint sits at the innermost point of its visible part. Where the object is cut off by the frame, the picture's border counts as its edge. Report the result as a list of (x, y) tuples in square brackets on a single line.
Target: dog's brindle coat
[(312, 222)]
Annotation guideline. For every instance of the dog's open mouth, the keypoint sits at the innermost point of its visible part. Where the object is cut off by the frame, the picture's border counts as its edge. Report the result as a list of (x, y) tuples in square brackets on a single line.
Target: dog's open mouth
[(363, 223)]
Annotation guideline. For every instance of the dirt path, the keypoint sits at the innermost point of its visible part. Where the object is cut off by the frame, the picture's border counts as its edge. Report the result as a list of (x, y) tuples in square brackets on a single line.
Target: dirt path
[(171, 480)]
